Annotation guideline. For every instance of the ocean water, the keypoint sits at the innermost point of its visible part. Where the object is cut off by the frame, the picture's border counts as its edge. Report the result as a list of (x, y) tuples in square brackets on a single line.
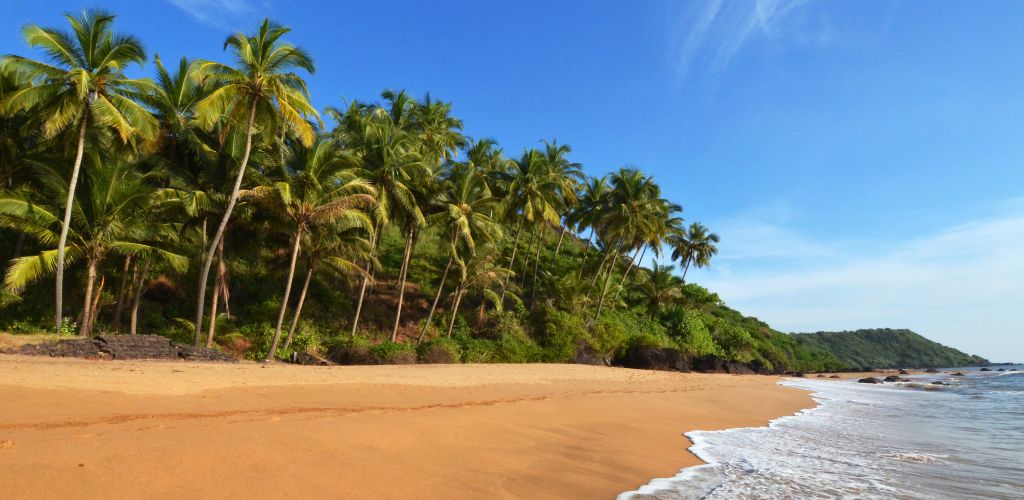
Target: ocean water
[(903, 440)]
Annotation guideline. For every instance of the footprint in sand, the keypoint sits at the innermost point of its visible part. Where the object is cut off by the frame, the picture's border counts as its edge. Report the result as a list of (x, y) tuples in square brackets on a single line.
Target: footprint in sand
[(6, 444)]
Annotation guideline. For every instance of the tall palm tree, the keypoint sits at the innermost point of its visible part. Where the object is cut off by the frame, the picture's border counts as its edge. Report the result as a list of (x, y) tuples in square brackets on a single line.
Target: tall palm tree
[(588, 212), (697, 245), (464, 211), (110, 216), (531, 195), (81, 85), (262, 85), (317, 192)]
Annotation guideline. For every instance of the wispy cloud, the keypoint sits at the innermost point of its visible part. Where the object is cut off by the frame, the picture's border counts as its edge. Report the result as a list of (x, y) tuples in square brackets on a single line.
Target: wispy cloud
[(219, 13), (963, 286), (714, 31)]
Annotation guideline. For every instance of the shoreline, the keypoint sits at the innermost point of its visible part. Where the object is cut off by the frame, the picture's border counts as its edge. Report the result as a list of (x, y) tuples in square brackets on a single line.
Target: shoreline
[(511, 431)]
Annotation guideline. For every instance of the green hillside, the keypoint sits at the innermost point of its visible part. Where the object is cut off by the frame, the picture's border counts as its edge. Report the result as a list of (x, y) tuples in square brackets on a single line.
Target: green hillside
[(886, 348)]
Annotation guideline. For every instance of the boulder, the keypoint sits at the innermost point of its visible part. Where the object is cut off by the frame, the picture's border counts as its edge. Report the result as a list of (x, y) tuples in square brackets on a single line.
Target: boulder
[(350, 354), (800, 375), (894, 378), (958, 374), (939, 382), (714, 364), (870, 380), (821, 375), (1002, 369), (904, 372), (654, 358), (985, 370), (834, 376), (587, 355), (932, 370)]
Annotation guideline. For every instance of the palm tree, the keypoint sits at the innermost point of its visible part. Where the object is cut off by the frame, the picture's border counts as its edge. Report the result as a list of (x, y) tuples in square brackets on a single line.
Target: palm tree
[(588, 212), (659, 288), (482, 278), (697, 245), (568, 175), (463, 209), (262, 85), (336, 248), (531, 191), (318, 192), (82, 86), (111, 216)]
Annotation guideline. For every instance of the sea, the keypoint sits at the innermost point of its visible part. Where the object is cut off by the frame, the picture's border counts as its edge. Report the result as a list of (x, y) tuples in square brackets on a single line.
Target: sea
[(905, 440)]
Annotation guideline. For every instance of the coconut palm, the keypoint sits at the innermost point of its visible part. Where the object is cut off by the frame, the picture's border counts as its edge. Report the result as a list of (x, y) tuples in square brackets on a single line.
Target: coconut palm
[(659, 288), (464, 210), (697, 245), (80, 86), (480, 277), (318, 191), (110, 216), (588, 212), (261, 89), (531, 195)]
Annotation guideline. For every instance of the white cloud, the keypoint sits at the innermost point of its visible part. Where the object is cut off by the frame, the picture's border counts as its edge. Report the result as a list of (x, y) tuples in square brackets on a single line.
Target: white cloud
[(215, 12), (963, 286), (714, 31)]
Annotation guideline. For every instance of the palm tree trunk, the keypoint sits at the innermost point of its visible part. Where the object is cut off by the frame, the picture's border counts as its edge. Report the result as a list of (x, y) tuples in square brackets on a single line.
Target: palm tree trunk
[(83, 329), (686, 268), (586, 250), (204, 274), (211, 330), (122, 290), (536, 261), (526, 263), (558, 247), (94, 312), (437, 296), (604, 288), (366, 278), (512, 261), (632, 262), (455, 310), (287, 294), (298, 307), (139, 286), (401, 283), (597, 273), (67, 220)]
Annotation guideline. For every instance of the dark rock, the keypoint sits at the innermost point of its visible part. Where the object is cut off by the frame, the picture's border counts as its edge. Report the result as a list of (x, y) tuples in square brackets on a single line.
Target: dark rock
[(587, 355), (350, 354), (821, 375), (714, 364), (834, 376), (870, 380), (125, 347), (985, 370), (939, 382), (904, 372), (894, 378), (654, 358), (800, 375), (932, 370), (958, 374), (1001, 369), (305, 358)]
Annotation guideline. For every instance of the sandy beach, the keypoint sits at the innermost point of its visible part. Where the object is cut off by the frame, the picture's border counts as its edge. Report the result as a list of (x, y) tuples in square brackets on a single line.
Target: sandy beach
[(89, 429)]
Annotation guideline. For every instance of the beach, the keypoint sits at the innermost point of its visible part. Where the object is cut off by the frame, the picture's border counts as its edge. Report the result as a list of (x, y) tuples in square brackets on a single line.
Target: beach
[(169, 429)]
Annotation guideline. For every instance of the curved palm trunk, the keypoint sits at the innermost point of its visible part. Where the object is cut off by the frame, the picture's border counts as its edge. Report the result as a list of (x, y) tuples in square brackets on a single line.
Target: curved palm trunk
[(686, 268), (211, 330), (138, 295), (366, 279), (67, 221), (96, 296), (604, 288), (632, 263), (586, 251), (512, 261), (219, 291), (83, 329), (561, 235), (204, 274), (222, 275), (401, 283), (526, 263), (437, 297), (455, 309), (287, 294), (298, 308), (122, 292)]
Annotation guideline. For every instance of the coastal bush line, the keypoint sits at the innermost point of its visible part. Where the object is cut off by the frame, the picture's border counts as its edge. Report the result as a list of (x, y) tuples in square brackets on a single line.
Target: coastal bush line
[(373, 232)]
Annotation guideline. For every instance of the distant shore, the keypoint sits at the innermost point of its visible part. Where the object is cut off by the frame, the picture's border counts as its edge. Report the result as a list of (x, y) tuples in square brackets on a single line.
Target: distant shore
[(163, 429)]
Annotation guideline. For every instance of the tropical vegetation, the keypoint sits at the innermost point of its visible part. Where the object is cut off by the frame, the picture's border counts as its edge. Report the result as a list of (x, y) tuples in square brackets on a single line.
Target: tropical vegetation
[(377, 231)]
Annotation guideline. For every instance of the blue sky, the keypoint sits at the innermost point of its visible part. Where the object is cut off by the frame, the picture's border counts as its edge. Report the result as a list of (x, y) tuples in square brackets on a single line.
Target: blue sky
[(861, 160)]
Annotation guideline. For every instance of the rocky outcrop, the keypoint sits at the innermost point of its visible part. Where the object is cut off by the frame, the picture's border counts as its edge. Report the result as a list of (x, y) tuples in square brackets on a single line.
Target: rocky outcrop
[(932, 370), (985, 370), (870, 380), (350, 354), (654, 358), (587, 355), (894, 378), (904, 372), (834, 376), (958, 374), (124, 347), (714, 364), (305, 358)]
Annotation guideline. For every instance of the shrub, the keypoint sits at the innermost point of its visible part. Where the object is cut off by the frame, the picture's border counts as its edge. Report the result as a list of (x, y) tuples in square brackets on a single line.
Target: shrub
[(695, 337), (393, 353), (439, 351)]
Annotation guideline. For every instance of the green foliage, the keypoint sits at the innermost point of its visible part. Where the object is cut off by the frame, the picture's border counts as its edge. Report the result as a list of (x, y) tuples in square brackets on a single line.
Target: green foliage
[(695, 337), (885, 348), (388, 352)]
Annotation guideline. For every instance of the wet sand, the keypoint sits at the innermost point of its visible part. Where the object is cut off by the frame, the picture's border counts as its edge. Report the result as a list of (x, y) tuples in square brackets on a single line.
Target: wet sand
[(91, 429)]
